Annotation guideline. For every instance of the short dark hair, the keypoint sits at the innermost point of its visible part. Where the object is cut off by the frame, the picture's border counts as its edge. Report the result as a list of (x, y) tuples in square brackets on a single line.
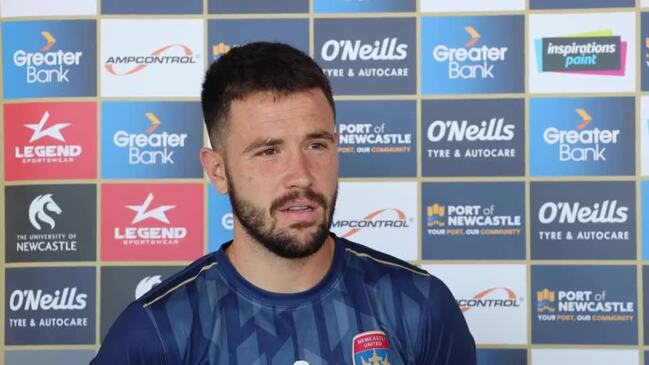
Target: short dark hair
[(254, 67)]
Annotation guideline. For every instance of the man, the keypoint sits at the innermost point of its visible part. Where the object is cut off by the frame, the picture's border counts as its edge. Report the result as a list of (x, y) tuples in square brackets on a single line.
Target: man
[(285, 290)]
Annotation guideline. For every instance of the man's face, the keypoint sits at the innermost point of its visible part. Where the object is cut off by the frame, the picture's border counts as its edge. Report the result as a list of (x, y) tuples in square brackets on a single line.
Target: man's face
[(281, 165)]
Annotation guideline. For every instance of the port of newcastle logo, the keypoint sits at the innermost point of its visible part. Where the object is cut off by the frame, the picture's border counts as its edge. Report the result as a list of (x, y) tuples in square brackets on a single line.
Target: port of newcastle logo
[(582, 306), (595, 53), (128, 65)]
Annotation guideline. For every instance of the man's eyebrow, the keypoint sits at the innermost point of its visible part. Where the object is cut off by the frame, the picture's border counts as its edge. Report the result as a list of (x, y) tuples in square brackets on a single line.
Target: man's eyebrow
[(263, 142), (321, 135)]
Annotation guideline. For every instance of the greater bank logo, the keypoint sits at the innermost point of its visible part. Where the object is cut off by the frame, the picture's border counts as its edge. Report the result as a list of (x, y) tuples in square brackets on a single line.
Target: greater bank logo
[(50, 140), (473, 220), (584, 304), (375, 134), (60, 310), (473, 137), (471, 54), (151, 139), (171, 54), (582, 136), (375, 56), (143, 222), (496, 297), (583, 220), (595, 53), (220, 218), (49, 58)]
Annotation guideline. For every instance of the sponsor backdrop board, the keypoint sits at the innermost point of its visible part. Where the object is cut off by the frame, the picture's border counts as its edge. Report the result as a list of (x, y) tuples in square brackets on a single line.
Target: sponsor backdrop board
[(495, 294), (582, 53), (584, 305), (375, 135), (494, 143)]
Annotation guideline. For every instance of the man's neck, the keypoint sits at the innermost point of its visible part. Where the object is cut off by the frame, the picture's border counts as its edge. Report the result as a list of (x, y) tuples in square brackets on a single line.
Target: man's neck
[(276, 274)]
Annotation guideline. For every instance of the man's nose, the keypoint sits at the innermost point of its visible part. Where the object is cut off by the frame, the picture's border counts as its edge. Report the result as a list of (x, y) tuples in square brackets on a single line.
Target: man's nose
[(298, 171)]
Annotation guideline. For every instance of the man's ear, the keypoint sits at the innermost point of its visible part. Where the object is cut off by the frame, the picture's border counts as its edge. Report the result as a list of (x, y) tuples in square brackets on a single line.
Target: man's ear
[(214, 166)]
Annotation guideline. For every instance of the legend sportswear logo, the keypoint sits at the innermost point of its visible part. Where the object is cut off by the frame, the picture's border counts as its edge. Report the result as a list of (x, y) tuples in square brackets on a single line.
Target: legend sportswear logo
[(143, 212), (53, 131)]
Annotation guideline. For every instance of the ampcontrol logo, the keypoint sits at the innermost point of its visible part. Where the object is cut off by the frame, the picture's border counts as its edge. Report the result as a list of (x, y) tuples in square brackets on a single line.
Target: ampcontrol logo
[(351, 50), (497, 297), (601, 54), (581, 306), (41, 210), (381, 219), (46, 65), (173, 54), (25, 301), (146, 284), (583, 143), (42, 147), (474, 60), (368, 138), (465, 132), (150, 235), (470, 220), (150, 148), (577, 213)]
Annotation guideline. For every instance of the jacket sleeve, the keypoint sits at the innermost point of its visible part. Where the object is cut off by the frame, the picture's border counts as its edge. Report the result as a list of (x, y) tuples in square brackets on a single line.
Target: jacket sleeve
[(445, 338), (132, 340)]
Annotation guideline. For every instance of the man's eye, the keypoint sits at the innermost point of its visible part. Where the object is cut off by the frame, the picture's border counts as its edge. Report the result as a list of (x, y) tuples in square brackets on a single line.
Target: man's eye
[(318, 145), (268, 152)]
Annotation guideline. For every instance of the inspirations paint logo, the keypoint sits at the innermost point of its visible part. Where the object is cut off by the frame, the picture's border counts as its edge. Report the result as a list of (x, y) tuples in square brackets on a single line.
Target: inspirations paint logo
[(223, 34), (49, 58), (50, 306), (584, 305), (151, 222), (50, 140), (473, 221), (473, 137), (472, 54), (593, 53), (151, 139), (367, 56), (50, 223), (377, 138), (583, 220), (495, 294), (380, 215), (589, 136), (142, 58)]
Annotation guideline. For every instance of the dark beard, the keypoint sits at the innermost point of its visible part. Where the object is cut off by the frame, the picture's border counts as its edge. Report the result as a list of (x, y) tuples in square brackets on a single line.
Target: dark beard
[(282, 243)]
